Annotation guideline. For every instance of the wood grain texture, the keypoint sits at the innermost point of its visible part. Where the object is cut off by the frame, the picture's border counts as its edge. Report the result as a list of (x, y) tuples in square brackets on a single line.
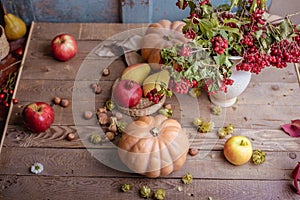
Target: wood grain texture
[(80, 169), (104, 162), (45, 187)]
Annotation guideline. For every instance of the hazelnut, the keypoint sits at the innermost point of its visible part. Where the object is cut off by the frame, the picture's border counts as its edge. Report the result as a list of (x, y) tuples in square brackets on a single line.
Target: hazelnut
[(102, 110), (94, 85), (98, 89), (106, 72), (110, 135), (193, 151), (64, 103), (88, 115), (102, 118), (70, 136), (112, 128), (56, 100), (119, 115)]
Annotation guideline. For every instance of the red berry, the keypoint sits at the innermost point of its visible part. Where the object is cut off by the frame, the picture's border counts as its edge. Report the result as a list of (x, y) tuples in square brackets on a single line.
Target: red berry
[(15, 101)]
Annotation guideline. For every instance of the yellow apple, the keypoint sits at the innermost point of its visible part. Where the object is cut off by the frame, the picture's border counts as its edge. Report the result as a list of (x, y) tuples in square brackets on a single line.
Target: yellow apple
[(238, 150)]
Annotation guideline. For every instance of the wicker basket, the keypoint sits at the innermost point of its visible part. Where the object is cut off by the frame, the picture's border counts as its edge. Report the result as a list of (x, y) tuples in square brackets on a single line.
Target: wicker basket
[(4, 45), (144, 107)]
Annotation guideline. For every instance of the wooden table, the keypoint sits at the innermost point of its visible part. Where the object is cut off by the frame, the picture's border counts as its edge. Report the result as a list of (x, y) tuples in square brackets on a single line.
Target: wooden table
[(75, 169)]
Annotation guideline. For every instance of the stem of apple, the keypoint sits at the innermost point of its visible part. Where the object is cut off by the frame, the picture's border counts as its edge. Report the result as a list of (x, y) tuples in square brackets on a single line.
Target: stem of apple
[(244, 143)]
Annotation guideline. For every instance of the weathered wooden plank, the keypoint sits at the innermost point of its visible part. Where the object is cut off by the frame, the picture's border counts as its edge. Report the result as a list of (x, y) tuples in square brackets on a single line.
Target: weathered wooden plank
[(87, 31), (45, 187), (266, 140), (242, 115), (94, 162)]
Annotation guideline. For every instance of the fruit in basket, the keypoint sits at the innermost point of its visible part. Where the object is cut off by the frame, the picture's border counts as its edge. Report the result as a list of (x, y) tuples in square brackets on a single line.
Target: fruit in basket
[(127, 93), (15, 28), (238, 150), (136, 72), (38, 116), (153, 146), (156, 81), (64, 47), (161, 35)]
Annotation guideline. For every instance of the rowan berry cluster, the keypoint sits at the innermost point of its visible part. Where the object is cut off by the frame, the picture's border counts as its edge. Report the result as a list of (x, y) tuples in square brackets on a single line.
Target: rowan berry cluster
[(6, 91), (219, 44), (182, 86)]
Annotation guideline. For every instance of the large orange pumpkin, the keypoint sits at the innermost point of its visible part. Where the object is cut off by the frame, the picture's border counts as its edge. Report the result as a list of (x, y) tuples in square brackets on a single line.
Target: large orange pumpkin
[(161, 35), (153, 146)]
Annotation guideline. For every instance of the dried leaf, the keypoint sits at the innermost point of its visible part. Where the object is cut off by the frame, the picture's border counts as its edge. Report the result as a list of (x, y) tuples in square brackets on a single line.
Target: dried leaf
[(293, 129), (296, 177), (133, 57)]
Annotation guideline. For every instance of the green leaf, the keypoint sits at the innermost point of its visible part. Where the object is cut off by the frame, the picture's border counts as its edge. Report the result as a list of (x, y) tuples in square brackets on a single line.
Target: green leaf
[(285, 28), (253, 6), (220, 59), (223, 7), (231, 30), (224, 34)]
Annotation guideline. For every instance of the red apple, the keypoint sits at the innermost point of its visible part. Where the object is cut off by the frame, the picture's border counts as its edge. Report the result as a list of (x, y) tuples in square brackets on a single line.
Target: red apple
[(38, 116), (238, 150), (127, 93), (64, 47)]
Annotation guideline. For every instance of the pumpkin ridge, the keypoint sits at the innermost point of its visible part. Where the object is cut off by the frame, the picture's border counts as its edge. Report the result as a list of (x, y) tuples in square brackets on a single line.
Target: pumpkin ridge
[(154, 164), (167, 158)]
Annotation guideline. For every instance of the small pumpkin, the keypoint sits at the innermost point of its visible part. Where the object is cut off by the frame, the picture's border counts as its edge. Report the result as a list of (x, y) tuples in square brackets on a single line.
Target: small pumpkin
[(161, 35), (153, 146)]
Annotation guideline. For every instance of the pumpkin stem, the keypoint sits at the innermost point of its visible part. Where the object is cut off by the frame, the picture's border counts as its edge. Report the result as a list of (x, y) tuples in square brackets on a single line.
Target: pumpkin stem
[(154, 131)]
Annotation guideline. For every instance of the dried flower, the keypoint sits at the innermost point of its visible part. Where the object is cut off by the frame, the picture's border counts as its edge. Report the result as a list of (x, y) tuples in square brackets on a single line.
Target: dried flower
[(223, 132), (205, 127), (160, 194), (258, 157), (166, 112), (37, 168), (126, 187), (109, 104), (145, 191), (195, 92), (121, 125), (197, 121), (216, 110), (95, 138), (187, 178)]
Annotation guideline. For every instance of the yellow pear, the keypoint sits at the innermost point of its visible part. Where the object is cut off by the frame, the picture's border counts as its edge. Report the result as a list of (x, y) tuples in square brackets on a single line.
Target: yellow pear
[(15, 28), (136, 72), (156, 80)]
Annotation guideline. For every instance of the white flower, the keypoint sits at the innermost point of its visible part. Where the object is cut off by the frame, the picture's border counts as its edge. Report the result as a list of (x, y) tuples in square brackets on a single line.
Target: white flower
[(37, 168)]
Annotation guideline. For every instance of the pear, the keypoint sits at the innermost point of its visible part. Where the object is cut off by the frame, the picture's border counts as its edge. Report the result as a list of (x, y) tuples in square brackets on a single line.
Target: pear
[(15, 28), (157, 80), (136, 72)]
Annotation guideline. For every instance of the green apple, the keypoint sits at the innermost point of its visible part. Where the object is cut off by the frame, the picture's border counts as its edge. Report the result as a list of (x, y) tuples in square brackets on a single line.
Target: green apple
[(136, 72), (238, 150)]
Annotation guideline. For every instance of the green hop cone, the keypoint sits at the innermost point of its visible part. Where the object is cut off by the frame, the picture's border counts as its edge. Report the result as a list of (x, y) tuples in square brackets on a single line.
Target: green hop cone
[(258, 157), (145, 192), (160, 194), (126, 187), (187, 178)]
